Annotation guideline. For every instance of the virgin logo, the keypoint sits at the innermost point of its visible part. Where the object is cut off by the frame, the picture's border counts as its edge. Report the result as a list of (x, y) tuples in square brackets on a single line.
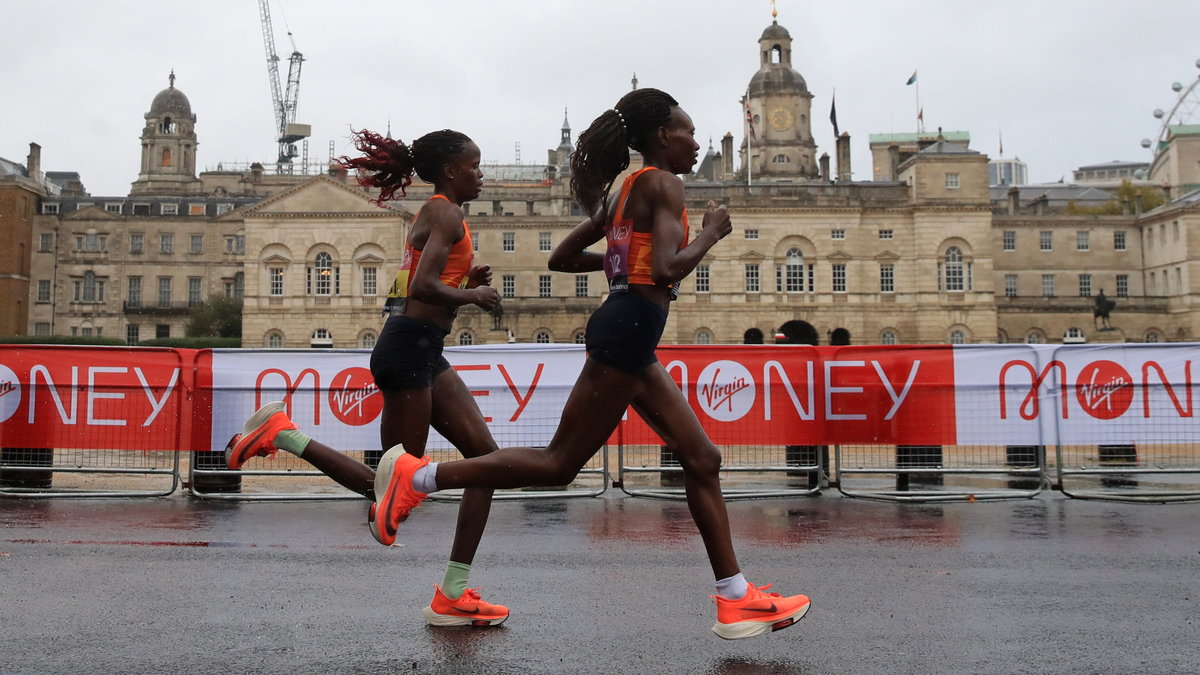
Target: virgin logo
[(1104, 390), (726, 390), (10, 393), (354, 398)]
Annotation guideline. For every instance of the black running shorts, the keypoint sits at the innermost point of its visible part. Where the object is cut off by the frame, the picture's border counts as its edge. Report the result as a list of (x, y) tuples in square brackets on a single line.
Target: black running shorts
[(624, 332), (408, 354)]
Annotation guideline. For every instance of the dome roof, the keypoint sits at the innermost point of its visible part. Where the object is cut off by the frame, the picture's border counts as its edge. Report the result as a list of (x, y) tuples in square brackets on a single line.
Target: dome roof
[(775, 32), (777, 79), (171, 100)]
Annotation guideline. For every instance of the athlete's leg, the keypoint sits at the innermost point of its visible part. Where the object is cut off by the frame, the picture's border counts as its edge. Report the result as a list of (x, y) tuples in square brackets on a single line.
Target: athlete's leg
[(665, 409), (598, 400)]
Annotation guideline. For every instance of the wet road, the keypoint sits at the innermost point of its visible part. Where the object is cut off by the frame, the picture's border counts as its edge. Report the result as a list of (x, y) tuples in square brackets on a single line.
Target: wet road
[(608, 585)]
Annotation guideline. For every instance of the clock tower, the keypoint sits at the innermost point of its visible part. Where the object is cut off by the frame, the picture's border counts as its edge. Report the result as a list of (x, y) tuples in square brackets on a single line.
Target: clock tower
[(778, 107)]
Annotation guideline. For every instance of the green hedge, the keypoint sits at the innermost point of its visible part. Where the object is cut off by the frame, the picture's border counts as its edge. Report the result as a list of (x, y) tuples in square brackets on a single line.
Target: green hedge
[(194, 343), (61, 340)]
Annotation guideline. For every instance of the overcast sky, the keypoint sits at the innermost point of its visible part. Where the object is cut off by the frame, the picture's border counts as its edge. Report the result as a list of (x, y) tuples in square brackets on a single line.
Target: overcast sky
[(1066, 82)]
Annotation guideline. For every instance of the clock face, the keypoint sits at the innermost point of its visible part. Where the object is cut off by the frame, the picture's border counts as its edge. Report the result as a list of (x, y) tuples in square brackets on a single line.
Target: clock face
[(781, 119)]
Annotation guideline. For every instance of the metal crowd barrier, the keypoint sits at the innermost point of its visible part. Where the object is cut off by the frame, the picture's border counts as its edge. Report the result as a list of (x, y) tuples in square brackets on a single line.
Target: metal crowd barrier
[(747, 471), (919, 473), (68, 472), (1130, 472)]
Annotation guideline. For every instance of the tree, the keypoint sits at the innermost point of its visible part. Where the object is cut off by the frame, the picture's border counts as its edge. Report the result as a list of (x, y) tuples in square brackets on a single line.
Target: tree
[(219, 316), (1123, 198)]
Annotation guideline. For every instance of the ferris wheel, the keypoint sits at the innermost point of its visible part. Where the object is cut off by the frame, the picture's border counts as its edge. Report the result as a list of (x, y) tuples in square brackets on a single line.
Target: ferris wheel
[(1185, 111)]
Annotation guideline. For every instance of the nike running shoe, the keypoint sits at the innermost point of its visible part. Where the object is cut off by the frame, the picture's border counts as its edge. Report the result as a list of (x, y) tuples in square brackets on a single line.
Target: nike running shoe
[(757, 612), (467, 610), (257, 435), (394, 493)]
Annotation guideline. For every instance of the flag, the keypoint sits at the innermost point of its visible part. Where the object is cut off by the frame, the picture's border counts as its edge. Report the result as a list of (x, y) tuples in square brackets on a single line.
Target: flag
[(921, 115), (1001, 143), (912, 79), (833, 115), (749, 117)]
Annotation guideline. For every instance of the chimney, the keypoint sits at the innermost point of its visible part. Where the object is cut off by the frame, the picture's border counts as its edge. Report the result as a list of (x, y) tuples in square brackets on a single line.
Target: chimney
[(1139, 204), (256, 172), (843, 157), (727, 153), (1014, 200), (825, 168), (893, 161), (33, 163)]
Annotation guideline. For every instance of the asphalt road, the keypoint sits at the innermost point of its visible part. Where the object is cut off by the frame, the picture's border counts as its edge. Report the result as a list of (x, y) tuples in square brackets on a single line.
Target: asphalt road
[(599, 585)]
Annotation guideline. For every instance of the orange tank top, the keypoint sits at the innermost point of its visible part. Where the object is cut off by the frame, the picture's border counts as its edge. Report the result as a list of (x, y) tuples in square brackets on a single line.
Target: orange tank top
[(630, 255), (454, 274)]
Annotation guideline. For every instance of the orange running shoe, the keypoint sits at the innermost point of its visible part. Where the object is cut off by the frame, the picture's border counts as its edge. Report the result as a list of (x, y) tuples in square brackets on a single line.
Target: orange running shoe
[(257, 434), (394, 493), (467, 610), (757, 612)]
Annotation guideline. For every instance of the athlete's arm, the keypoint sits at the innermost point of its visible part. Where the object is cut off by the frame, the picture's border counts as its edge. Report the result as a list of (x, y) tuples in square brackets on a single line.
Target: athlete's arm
[(670, 263), (445, 230), (571, 254)]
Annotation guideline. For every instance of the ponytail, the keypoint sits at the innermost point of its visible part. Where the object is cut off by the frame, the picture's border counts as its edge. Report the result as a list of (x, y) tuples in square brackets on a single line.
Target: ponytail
[(389, 164)]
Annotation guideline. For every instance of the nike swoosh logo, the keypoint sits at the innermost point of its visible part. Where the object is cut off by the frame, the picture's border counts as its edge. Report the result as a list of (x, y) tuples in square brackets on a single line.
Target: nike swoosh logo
[(465, 610), (770, 609)]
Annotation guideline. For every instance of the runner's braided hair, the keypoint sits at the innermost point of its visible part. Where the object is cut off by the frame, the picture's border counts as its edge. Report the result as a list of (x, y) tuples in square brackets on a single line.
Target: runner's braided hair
[(389, 164), (602, 152)]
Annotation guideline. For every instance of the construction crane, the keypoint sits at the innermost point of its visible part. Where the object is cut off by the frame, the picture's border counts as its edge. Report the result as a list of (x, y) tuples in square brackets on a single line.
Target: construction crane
[(283, 102)]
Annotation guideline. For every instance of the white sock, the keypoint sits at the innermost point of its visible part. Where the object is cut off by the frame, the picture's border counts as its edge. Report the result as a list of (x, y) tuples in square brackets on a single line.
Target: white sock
[(425, 478), (733, 588)]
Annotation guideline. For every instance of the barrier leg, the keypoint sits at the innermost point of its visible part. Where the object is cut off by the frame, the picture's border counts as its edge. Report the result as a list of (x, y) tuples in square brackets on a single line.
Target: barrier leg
[(1023, 456), (230, 481), (667, 458), (34, 479), (918, 457), (808, 455), (1117, 456)]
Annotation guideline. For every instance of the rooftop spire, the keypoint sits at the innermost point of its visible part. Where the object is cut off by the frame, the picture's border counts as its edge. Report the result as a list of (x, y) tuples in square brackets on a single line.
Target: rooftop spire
[(634, 80), (172, 77), (774, 12)]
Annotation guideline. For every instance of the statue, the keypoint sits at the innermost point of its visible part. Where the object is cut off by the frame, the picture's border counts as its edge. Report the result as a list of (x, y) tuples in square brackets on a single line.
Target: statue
[(1100, 311)]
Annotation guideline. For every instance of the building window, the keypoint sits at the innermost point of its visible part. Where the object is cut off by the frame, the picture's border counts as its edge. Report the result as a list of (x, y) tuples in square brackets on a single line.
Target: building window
[(958, 337), (542, 337), (41, 328), (794, 269), (839, 277), (704, 337), (781, 159), (1073, 334), (888, 337), (1153, 290), (275, 283), (131, 333), (43, 290), (952, 181), (141, 209), (193, 292), (885, 234), (164, 291), (1085, 285), (1035, 337), (222, 209), (196, 209), (1175, 226), (1122, 285), (45, 242), (1152, 336), (508, 241), (474, 239), (1082, 241), (508, 286), (581, 285), (274, 339), (113, 207), (49, 209), (702, 276), (166, 157), (580, 338), (837, 234), (1046, 240), (196, 244), (236, 287), (166, 243), (752, 278), (323, 278), (887, 278), (137, 242), (134, 297), (952, 267), (168, 209), (1010, 285), (1048, 285), (89, 289), (1009, 240), (370, 283), (236, 244), (543, 285), (367, 341), (751, 234), (544, 242), (1178, 280)]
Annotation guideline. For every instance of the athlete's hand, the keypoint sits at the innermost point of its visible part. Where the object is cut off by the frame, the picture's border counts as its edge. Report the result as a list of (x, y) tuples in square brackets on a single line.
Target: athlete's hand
[(716, 221), (486, 297), (480, 275)]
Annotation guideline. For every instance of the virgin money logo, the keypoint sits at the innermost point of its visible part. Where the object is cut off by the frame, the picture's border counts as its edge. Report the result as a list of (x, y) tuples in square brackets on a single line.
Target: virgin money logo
[(1104, 390), (726, 390), (10, 393), (354, 398)]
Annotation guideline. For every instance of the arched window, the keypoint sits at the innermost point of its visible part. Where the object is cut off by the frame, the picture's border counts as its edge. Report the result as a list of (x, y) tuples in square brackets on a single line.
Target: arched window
[(794, 272), (888, 337), (89, 286), (781, 159), (274, 339), (323, 277), (579, 337), (542, 337), (958, 337), (1035, 337), (704, 337), (1152, 336), (466, 338), (776, 54), (166, 157), (952, 270), (367, 341), (321, 339)]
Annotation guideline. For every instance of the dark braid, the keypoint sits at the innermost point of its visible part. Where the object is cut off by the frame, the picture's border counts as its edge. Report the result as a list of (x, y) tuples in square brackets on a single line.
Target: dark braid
[(602, 152), (389, 164)]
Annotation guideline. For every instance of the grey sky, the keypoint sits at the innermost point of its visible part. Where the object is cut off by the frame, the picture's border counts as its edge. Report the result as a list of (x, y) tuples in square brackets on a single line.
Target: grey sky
[(1067, 82)]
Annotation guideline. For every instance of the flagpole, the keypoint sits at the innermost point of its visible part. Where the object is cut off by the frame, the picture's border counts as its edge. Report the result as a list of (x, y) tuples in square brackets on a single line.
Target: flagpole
[(920, 116), (746, 130)]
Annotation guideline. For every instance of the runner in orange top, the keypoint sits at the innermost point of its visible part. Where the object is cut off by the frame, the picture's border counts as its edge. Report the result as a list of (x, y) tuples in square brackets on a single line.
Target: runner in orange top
[(648, 254), (419, 388)]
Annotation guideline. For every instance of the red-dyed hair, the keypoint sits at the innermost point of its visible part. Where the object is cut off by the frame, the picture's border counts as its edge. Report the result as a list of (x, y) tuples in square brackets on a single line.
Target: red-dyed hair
[(389, 164)]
